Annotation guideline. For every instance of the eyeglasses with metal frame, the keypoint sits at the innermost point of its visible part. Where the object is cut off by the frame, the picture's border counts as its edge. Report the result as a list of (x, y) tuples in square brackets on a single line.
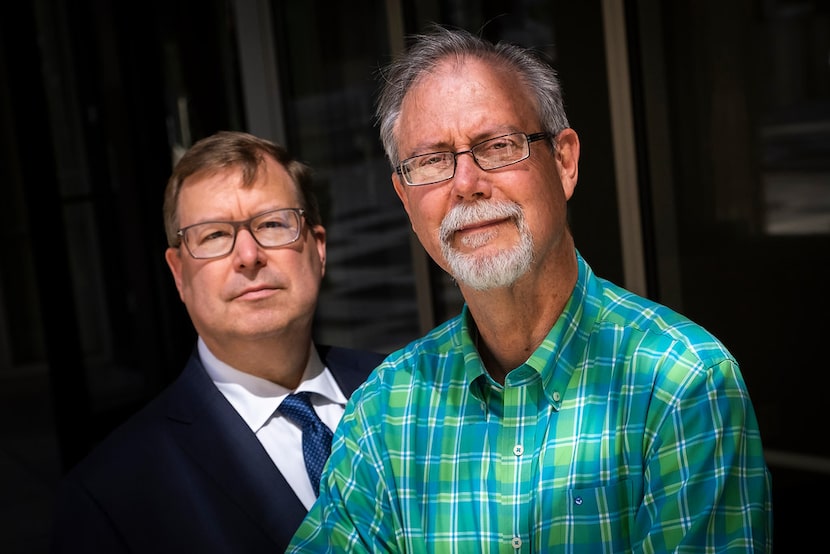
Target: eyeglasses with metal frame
[(214, 239), (501, 151)]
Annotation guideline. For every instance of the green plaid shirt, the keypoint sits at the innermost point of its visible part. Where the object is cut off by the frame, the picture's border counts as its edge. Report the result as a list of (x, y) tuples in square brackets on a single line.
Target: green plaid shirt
[(629, 429)]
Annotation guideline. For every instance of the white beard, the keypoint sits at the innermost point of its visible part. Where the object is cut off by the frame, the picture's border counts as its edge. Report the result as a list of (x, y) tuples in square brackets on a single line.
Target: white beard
[(480, 271)]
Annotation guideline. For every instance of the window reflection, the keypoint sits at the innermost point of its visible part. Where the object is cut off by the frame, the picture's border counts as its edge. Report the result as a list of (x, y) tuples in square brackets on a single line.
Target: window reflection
[(368, 297)]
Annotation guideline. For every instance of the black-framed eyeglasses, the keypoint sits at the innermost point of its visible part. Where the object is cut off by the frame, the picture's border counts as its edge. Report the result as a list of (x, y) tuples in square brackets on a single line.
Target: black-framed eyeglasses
[(214, 239), (426, 169)]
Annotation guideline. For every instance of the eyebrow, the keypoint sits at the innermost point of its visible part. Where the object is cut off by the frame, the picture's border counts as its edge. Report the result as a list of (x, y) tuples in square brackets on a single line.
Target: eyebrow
[(476, 139), (230, 220)]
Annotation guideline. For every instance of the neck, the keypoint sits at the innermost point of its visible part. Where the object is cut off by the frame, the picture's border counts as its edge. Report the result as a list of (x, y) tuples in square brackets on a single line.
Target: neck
[(512, 322), (280, 359)]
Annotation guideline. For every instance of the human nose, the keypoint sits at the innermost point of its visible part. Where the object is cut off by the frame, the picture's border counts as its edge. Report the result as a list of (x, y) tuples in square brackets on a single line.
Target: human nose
[(246, 250), (468, 181)]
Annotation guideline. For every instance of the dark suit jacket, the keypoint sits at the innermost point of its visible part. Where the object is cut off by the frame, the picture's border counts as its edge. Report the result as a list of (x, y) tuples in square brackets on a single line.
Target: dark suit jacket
[(186, 474)]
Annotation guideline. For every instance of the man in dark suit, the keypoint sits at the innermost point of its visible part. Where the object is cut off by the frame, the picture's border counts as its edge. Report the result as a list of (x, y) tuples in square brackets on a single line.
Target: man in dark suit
[(216, 462)]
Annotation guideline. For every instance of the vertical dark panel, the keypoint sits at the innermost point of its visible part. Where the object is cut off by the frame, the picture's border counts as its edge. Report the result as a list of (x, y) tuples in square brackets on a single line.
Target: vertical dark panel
[(38, 183)]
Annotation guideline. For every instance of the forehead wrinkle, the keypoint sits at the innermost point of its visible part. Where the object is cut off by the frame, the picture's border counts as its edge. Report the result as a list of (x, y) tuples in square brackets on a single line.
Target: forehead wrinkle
[(461, 81), (222, 193)]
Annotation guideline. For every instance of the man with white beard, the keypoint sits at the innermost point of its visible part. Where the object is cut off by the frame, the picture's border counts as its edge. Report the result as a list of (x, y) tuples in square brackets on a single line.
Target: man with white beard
[(558, 412)]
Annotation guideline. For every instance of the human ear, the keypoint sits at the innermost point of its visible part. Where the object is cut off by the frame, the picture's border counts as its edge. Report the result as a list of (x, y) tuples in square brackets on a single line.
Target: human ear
[(567, 160), (174, 262)]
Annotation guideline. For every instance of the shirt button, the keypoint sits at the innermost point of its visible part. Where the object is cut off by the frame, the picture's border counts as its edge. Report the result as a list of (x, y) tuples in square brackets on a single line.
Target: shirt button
[(556, 396), (518, 450), (516, 542)]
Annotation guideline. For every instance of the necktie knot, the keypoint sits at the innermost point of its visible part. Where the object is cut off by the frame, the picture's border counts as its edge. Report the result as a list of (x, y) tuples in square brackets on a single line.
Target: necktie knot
[(316, 435), (297, 407)]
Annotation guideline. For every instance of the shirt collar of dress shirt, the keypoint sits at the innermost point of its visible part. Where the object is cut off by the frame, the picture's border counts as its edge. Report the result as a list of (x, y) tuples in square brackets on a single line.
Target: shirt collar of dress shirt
[(255, 398)]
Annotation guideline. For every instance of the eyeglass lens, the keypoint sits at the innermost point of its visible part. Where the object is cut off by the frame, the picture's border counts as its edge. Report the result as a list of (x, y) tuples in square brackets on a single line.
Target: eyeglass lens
[(490, 154)]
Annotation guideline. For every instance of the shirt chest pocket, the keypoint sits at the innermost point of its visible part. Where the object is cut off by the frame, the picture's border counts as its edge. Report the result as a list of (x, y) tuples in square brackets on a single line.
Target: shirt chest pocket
[(595, 519)]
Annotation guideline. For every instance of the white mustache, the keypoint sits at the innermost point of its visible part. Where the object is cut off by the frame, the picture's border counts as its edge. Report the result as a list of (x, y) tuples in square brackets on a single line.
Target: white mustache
[(463, 215)]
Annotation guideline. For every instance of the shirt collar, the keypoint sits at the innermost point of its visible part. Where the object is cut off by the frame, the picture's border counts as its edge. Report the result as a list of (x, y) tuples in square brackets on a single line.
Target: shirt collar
[(466, 341), (566, 342), (255, 398)]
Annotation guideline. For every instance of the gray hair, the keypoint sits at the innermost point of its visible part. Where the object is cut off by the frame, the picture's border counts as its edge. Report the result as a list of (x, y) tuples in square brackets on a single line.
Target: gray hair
[(431, 48)]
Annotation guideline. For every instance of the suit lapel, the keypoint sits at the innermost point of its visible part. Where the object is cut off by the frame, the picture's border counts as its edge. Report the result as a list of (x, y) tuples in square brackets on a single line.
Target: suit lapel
[(349, 367), (217, 439)]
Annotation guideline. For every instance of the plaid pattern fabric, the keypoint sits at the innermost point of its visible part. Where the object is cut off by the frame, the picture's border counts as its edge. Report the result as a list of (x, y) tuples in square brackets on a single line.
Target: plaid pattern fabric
[(629, 429)]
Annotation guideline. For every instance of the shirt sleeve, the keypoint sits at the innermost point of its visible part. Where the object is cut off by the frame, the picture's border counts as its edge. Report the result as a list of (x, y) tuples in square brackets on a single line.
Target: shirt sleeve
[(707, 487)]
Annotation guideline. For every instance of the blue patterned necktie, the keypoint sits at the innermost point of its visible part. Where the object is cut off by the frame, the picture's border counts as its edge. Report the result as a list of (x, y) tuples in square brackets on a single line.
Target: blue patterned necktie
[(316, 436)]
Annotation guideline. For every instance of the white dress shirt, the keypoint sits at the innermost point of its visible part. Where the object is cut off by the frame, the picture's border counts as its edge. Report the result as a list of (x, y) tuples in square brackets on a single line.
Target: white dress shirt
[(257, 400)]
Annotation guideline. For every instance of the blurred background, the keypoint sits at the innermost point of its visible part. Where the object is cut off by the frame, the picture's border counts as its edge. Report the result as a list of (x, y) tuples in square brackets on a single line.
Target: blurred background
[(704, 184)]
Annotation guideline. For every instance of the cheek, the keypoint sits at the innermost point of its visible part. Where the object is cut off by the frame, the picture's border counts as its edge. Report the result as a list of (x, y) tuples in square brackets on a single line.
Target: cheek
[(197, 286), (303, 269), (548, 215), (189, 288), (313, 270), (426, 222), (426, 211)]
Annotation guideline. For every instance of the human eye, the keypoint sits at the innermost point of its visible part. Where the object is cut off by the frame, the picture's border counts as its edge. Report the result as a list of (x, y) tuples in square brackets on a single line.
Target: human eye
[(498, 145), (275, 221), (210, 232), (433, 160), (500, 151), (428, 168)]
